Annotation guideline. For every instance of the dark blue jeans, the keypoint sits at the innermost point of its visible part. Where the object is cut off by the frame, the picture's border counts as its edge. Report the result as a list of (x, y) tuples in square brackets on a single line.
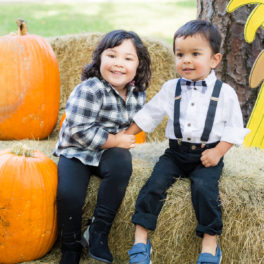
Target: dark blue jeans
[(182, 161), (115, 169)]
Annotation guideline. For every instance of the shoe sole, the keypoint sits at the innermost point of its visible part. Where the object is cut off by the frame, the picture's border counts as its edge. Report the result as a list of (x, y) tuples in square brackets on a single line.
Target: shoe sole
[(85, 244), (97, 258), (85, 238)]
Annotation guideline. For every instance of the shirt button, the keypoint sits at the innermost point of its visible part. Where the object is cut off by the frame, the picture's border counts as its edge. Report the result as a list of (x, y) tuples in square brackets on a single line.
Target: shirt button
[(192, 104), (189, 139), (189, 124)]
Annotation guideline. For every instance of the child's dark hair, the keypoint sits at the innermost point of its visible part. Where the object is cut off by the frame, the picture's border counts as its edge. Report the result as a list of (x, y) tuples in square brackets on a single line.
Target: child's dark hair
[(202, 27), (111, 40)]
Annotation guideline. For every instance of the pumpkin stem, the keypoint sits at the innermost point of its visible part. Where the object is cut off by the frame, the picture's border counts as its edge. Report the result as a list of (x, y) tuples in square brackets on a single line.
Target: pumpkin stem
[(21, 27), (22, 150)]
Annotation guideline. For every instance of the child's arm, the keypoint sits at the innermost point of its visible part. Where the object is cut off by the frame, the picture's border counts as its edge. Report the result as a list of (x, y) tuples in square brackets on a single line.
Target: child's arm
[(133, 129), (153, 112), (120, 140), (211, 157)]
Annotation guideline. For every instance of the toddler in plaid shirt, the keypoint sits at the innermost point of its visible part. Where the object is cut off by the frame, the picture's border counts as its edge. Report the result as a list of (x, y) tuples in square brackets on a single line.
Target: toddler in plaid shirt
[(92, 141)]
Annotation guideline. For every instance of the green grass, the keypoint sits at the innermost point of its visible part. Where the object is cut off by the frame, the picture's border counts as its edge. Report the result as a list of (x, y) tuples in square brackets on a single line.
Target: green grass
[(158, 19)]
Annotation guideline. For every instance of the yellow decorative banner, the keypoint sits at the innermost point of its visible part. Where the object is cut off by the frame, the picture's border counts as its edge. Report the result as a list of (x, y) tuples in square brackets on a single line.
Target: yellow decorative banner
[(256, 121)]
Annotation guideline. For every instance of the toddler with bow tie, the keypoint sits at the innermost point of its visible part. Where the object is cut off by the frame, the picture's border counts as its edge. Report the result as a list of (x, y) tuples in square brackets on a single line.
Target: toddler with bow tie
[(205, 121)]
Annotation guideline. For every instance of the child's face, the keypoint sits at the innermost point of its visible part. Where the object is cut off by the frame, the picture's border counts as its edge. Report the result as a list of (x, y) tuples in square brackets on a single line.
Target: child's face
[(119, 64), (194, 57)]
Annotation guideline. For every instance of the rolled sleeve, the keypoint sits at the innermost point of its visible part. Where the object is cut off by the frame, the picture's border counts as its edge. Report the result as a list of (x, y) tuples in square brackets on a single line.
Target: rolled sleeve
[(144, 121), (234, 135), (234, 131), (93, 137)]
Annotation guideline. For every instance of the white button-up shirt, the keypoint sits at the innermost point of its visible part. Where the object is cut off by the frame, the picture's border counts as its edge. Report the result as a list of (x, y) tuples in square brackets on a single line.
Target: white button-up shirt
[(228, 122)]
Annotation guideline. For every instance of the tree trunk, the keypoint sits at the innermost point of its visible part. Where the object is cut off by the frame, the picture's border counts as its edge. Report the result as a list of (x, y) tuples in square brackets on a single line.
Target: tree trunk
[(238, 55)]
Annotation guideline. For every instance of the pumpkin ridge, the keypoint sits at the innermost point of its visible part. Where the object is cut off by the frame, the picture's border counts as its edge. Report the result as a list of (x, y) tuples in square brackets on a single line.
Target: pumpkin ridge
[(7, 107)]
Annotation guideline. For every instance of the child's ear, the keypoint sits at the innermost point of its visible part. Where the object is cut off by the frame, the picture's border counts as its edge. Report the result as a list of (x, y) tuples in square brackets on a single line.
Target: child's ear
[(216, 58)]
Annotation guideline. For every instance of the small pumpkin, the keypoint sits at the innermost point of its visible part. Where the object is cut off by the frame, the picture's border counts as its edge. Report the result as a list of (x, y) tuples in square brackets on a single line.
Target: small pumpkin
[(30, 86), (140, 137), (28, 219), (62, 119)]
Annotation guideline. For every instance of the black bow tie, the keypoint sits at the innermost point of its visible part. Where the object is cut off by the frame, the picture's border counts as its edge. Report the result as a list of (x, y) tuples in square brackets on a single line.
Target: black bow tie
[(196, 85)]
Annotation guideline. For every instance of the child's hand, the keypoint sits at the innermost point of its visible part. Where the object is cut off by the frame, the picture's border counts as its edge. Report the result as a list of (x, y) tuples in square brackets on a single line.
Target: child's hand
[(211, 157), (124, 140)]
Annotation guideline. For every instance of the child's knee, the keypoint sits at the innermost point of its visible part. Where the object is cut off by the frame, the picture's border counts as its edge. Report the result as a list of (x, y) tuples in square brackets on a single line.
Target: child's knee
[(120, 163), (203, 187)]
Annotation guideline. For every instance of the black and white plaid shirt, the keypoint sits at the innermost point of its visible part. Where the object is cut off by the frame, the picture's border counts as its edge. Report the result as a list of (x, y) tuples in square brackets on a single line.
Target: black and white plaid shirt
[(93, 110)]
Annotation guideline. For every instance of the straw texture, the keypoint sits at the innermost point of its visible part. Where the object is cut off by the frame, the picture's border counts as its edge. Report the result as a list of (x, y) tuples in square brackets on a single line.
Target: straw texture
[(174, 241)]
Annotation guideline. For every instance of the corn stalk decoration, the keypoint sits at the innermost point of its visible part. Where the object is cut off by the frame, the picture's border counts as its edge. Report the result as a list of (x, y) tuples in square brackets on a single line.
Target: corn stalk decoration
[(256, 121)]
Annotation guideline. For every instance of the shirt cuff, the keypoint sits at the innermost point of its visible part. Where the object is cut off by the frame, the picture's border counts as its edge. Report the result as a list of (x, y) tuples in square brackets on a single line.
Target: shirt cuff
[(146, 124), (99, 140), (234, 135)]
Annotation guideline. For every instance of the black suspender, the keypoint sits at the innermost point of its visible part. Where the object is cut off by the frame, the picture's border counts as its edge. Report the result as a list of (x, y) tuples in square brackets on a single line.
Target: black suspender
[(176, 121), (210, 113), (209, 121)]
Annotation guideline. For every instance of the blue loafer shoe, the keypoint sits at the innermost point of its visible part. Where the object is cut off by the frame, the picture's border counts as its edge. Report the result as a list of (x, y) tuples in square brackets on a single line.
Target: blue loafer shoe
[(140, 253), (207, 258)]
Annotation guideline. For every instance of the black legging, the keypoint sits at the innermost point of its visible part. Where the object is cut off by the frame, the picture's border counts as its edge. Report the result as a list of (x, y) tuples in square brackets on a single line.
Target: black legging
[(115, 169)]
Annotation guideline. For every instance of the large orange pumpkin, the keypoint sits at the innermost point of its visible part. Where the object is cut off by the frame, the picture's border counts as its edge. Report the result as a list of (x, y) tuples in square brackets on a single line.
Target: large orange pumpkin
[(29, 86), (28, 228), (140, 137)]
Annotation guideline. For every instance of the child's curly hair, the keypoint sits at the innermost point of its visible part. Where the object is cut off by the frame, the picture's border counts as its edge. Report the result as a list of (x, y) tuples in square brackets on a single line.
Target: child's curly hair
[(113, 39)]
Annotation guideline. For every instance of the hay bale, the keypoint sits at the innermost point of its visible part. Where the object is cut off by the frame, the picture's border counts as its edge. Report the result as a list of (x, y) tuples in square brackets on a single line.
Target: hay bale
[(174, 241), (75, 51)]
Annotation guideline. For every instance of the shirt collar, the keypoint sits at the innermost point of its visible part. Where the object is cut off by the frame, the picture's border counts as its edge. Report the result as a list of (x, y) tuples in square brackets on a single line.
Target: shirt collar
[(107, 85), (130, 88), (210, 79)]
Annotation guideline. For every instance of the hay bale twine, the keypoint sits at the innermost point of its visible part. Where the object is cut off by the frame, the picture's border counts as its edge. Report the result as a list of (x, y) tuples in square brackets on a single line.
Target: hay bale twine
[(174, 241), (75, 51)]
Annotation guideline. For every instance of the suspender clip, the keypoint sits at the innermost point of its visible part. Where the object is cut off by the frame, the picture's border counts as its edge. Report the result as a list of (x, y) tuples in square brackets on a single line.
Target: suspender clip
[(214, 99), (177, 97), (179, 140), (203, 144)]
